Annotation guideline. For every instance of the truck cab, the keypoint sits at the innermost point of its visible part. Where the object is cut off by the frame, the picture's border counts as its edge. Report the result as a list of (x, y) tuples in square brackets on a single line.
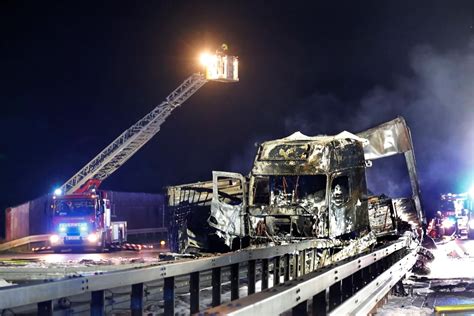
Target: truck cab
[(299, 187), (82, 221)]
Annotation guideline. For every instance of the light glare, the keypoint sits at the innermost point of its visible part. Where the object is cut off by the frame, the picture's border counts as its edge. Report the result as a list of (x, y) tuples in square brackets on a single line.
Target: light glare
[(54, 239), (471, 192), (205, 59), (92, 238)]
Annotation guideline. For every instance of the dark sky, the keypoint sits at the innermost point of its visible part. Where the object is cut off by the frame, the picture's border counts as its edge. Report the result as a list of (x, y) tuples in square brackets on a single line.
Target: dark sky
[(74, 75)]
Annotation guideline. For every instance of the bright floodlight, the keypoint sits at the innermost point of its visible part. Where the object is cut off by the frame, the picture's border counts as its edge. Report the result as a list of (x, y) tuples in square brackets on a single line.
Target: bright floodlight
[(205, 59), (58, 191)]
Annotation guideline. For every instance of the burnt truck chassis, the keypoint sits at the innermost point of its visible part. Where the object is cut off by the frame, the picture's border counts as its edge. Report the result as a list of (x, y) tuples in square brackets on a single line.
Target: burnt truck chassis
[(300, 187)]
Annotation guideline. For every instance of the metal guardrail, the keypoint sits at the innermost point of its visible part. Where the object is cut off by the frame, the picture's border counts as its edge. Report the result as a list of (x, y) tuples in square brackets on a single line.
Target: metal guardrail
[(23, 241), (328, 288), (43, 294), (284, 261), (141, 231), (364, 301)]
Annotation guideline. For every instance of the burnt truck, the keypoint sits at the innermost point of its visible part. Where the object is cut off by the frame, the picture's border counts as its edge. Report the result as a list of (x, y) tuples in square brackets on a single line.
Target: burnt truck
[(300, 187)]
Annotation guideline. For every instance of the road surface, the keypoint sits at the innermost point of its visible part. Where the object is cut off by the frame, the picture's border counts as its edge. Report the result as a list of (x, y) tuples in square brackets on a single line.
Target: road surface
[(21, 267), (450, 282)]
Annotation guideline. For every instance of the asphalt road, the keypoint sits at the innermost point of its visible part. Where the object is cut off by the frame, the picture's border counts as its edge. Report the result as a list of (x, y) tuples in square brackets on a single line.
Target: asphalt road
[(450, 282), (67, 256), (24, 267)]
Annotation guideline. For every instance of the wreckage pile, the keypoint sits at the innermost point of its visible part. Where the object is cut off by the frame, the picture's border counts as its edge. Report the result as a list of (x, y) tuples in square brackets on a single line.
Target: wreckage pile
[(300, 187)]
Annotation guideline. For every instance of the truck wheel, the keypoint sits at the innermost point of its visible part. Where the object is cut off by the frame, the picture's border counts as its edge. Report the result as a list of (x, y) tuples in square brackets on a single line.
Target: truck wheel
[(470, 234)]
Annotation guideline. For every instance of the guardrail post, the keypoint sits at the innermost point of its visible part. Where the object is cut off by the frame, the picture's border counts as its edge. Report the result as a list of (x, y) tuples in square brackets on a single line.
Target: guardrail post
[(264, 274), (372, 270), (347, 287), (216, 287), (168, 296), (300, 309), (365, 276), (97, 303), (251, 277), (334, 295), (357, 281), (377, 268), (276, 271), (320, 305), (234, 281), (287, 267), (303, 262), (296, 265), (136, 301), (45, 308), (194, 292)]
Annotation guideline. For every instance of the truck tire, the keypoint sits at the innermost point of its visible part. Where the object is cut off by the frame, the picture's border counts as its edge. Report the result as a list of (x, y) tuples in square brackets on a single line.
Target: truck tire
[(470, 234)]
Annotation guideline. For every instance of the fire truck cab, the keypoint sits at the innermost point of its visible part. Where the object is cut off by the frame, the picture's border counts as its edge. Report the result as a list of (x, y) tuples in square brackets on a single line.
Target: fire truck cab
[(82, 221), (456, 215)]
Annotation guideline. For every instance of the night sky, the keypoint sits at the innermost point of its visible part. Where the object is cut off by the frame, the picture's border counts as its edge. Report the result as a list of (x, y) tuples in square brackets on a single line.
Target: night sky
[(74, 75)]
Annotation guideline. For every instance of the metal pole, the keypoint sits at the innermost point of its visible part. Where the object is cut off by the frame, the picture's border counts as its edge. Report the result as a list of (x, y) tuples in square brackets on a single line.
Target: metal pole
[(194, 292), (45, 308), (168, 296), (276, 271), (251, 277), (97, 303), (234, 281), (319, 307), (136, 302), (264, 274), (216, 287), (287, 267)]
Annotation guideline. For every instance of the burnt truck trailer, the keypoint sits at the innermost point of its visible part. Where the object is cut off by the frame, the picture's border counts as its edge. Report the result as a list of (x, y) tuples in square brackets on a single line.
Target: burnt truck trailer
[(300, 187)]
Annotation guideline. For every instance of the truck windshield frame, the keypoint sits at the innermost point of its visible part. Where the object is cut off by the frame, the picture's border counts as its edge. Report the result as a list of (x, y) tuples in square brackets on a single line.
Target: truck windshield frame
[(74, 207), (289, 189)]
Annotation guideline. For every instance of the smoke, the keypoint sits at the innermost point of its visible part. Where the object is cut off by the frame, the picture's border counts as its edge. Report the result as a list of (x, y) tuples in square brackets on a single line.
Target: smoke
[(437, 101)]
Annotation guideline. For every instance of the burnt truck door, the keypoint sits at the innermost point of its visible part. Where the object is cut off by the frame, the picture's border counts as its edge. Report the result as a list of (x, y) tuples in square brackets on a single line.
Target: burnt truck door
[(346, 202), (229, 202)]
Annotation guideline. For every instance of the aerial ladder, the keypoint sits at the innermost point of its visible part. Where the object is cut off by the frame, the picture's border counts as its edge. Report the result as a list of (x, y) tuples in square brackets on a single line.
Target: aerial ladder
[(218, 67), (81, 215)]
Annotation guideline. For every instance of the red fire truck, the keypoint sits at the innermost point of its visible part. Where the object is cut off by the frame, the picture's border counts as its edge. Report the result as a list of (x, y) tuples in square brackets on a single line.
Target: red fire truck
[(454, 217)]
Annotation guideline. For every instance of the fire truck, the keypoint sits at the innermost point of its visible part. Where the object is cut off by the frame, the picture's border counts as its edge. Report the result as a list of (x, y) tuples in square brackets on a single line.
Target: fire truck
[(81, 216), (454, 217)]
